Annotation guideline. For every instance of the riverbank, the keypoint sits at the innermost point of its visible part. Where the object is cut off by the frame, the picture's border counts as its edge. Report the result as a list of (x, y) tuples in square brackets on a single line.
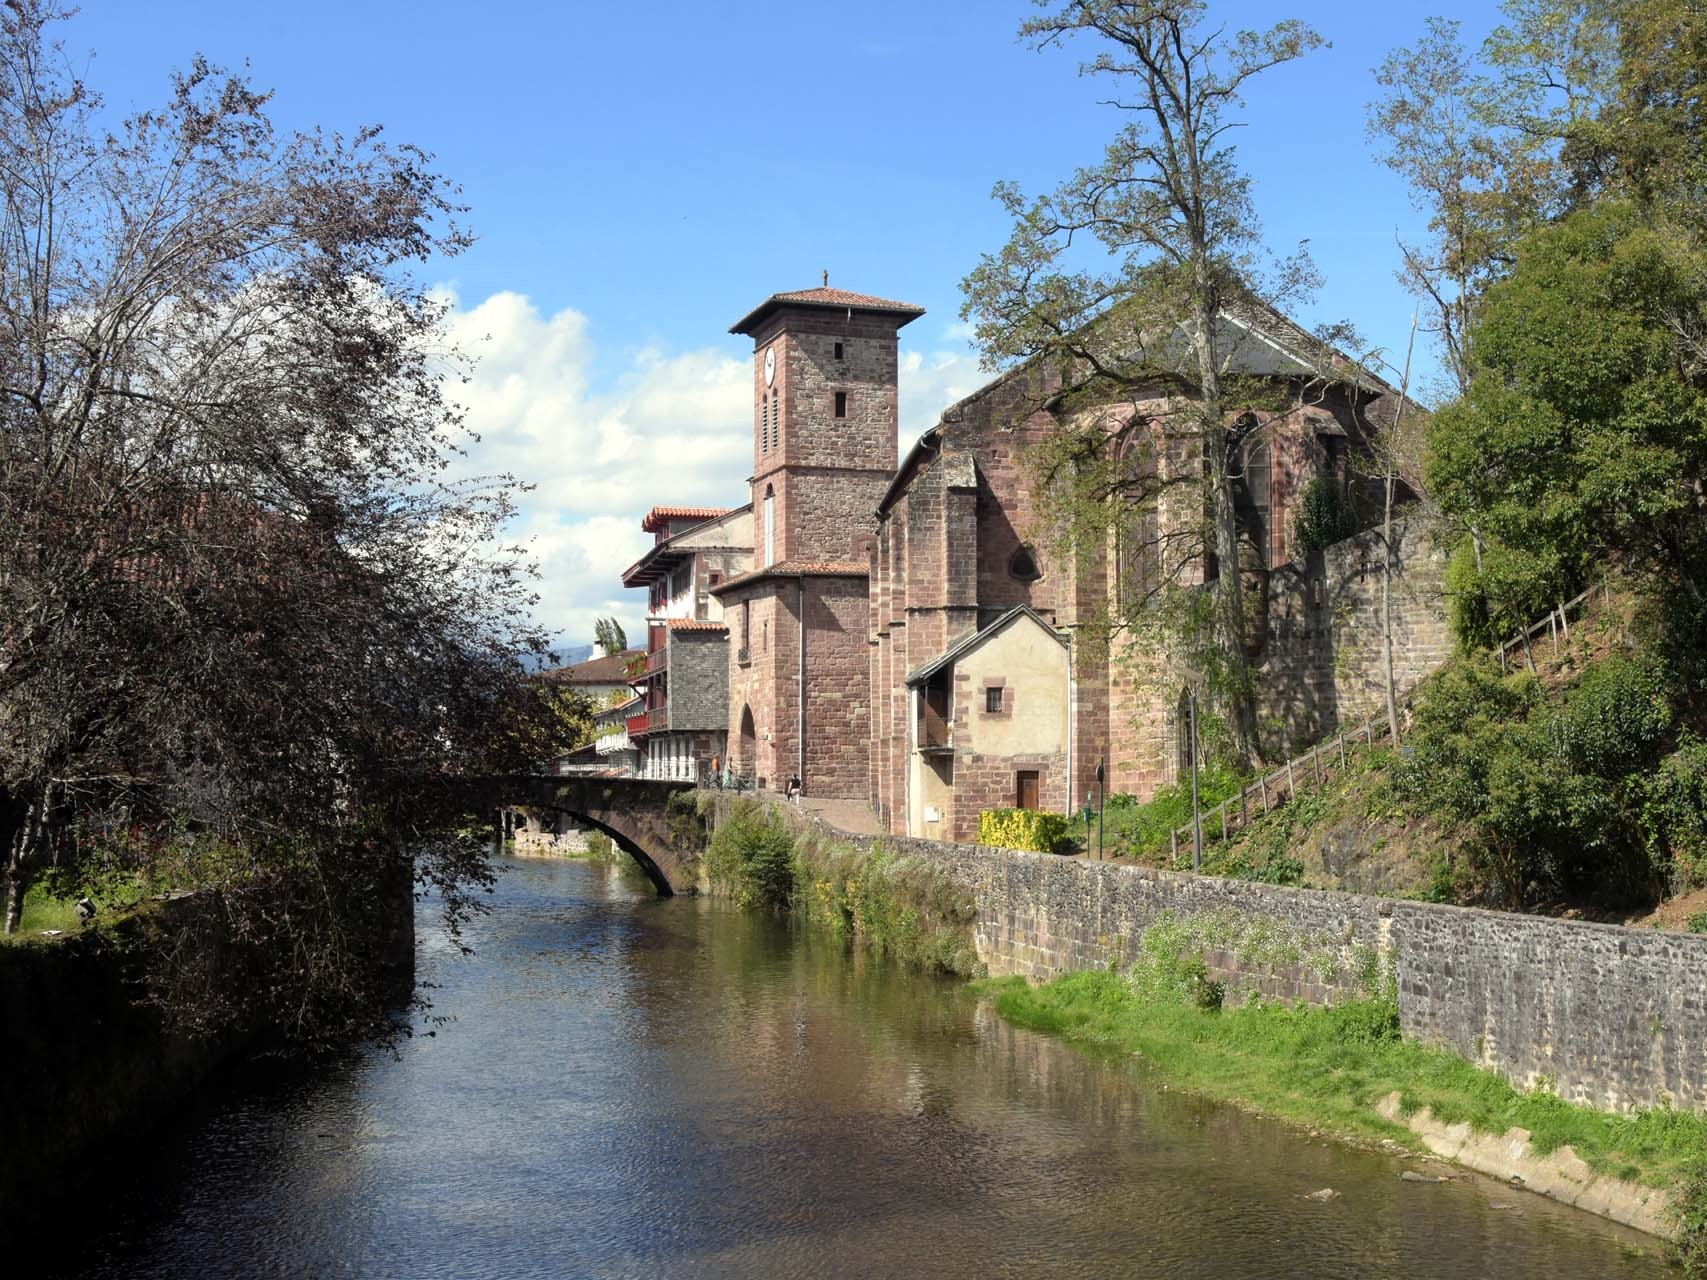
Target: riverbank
[(1345, 1071), (1280, 1007)]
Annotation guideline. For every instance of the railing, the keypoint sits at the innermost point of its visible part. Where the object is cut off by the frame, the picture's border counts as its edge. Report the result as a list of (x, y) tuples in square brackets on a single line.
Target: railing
[(636, 725), (1275, 788), (657, 661), (610, 743)]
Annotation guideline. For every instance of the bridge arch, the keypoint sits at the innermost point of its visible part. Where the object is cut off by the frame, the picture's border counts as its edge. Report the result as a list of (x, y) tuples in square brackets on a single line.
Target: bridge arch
[(633, 812)]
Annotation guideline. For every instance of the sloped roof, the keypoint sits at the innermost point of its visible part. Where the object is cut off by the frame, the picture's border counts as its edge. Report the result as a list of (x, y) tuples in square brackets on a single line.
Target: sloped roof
[(830, 299), (655, 519), (967, 644), (799, 569), (610, 669)]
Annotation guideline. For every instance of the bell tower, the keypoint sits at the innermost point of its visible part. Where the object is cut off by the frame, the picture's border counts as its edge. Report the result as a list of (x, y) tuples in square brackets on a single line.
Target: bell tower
[(825, 416)]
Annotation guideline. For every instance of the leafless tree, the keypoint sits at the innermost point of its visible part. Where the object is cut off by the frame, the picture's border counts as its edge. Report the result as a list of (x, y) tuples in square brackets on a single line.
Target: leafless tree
[(245, 622)]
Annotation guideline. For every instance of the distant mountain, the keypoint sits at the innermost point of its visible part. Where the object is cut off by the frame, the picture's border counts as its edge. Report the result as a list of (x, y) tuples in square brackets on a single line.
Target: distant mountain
[(569, 657)]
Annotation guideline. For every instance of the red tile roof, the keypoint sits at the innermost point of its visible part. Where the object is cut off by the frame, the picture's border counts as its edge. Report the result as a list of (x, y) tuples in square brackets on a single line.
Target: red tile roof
[(696, 624), (655, 518), (825, 297)]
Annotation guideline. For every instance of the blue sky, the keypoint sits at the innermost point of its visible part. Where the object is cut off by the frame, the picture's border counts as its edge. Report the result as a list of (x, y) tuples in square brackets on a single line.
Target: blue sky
[(640, 175)]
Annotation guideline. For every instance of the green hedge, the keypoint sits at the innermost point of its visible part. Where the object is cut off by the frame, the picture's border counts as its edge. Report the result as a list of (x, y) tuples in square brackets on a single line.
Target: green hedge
[(1022, 829)]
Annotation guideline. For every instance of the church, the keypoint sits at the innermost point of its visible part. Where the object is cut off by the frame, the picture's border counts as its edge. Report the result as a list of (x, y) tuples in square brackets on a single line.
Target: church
[(901, 636)]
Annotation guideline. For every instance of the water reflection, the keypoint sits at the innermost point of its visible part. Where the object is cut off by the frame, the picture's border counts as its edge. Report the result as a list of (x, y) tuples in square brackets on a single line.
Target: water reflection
[(635, 1087)]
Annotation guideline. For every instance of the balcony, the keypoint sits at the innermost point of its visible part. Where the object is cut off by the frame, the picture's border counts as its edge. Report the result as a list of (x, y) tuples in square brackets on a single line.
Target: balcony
[(657, 661), (655, 720), (611, 743)]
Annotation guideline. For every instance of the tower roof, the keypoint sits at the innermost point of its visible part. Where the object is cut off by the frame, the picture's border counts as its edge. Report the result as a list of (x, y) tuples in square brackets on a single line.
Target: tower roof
[(827, 299)]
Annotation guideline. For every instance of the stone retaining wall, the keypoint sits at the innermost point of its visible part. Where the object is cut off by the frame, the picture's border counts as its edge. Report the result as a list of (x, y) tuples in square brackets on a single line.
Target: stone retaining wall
[(1609, 1016)]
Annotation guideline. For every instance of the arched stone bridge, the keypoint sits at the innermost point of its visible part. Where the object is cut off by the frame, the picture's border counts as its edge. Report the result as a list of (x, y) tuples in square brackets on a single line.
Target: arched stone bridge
[(631, 811)]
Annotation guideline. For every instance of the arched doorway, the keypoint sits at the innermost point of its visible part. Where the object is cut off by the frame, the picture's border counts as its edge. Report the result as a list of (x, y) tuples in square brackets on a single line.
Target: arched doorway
[(749, 745)]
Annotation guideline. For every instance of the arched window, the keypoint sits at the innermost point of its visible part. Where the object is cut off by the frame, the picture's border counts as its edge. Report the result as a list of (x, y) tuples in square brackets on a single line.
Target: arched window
[(770, 526), (1251, 490), (1024, 566)]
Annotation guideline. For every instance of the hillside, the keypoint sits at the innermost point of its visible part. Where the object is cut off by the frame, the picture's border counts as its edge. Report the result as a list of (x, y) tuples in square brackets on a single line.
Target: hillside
[(1579, 788)]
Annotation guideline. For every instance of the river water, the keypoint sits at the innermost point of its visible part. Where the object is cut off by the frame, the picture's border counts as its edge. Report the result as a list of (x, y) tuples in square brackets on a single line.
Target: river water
[(635, 1087)]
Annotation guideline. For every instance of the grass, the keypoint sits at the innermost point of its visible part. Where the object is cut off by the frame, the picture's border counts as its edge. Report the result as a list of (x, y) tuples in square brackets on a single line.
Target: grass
[(1327, 1068)]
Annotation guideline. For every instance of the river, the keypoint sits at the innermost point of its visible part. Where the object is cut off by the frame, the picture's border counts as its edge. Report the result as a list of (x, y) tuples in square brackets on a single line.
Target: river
[(636, 1087)]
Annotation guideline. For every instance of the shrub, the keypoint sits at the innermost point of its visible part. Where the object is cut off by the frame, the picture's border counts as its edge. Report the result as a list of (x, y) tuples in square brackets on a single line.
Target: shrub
[(903, 908), (1324, 518), (1689, 1208), (1697, 923), (1030, 829), (1673, 809), (752, 857), (1617, 715)]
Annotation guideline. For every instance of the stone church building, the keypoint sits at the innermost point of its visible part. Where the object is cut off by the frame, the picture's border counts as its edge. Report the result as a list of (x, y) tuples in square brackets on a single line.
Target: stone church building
[(902, 636)]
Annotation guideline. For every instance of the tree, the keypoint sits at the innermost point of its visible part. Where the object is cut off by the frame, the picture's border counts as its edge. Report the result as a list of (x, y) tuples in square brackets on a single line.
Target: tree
[(249, 630), (1583, 438), (1141, 356), (1482, 143), (609, 636)]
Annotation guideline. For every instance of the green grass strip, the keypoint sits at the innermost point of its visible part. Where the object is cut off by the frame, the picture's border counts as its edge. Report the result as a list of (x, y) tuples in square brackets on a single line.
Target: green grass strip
[(1327, 1068)]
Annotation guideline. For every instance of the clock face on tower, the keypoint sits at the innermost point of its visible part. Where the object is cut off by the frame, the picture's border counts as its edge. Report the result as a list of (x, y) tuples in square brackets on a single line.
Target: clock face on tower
[(770, 365)]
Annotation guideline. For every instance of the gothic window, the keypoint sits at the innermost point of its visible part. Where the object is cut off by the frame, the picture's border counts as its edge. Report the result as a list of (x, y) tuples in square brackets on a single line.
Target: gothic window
[(1138, 558), (1024, 566), (1251, 489)]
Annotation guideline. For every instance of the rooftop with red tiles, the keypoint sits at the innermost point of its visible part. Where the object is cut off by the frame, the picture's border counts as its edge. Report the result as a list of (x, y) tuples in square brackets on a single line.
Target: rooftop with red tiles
[(656, 518), (828, 298)]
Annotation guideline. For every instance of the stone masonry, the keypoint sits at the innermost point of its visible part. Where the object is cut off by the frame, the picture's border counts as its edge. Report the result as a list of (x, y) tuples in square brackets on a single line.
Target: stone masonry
[(1604, 1015)]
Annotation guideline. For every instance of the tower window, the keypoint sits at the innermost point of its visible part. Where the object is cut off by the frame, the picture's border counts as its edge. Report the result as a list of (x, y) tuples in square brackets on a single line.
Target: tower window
[(838, 351), (841, 404), (1024, 565), (765, 427), (776, 422)]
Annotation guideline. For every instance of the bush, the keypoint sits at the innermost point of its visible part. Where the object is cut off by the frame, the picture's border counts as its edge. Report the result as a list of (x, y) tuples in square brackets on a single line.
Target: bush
[(1030, 829), (1673, 808), (903, 908), (1617, 715), (1324, 518), (1689, 1208), (752, 857)]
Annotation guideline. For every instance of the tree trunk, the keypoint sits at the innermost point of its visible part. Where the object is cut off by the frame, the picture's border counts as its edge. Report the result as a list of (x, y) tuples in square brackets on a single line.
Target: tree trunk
[(1387, 612), (15, 889), (1224, 526)]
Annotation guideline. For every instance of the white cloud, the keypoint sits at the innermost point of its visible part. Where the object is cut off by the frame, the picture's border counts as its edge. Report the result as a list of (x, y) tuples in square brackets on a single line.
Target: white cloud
[(661, 427)]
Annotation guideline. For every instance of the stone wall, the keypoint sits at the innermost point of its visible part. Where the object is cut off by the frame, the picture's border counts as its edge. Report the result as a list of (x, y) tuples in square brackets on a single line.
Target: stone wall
[(699, 680), (1607, 1016)]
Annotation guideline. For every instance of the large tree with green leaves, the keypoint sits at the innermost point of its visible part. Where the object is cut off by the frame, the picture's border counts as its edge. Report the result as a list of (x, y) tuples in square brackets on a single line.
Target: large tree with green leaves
[(1582, 440), (1133, 285), (1576, 439)]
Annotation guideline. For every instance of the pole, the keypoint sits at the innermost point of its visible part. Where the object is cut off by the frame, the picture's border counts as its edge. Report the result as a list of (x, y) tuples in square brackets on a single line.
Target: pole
[(1196, 818)]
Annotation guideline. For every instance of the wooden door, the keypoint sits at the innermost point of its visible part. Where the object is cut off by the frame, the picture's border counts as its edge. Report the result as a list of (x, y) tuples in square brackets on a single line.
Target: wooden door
[(1025, 789)]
